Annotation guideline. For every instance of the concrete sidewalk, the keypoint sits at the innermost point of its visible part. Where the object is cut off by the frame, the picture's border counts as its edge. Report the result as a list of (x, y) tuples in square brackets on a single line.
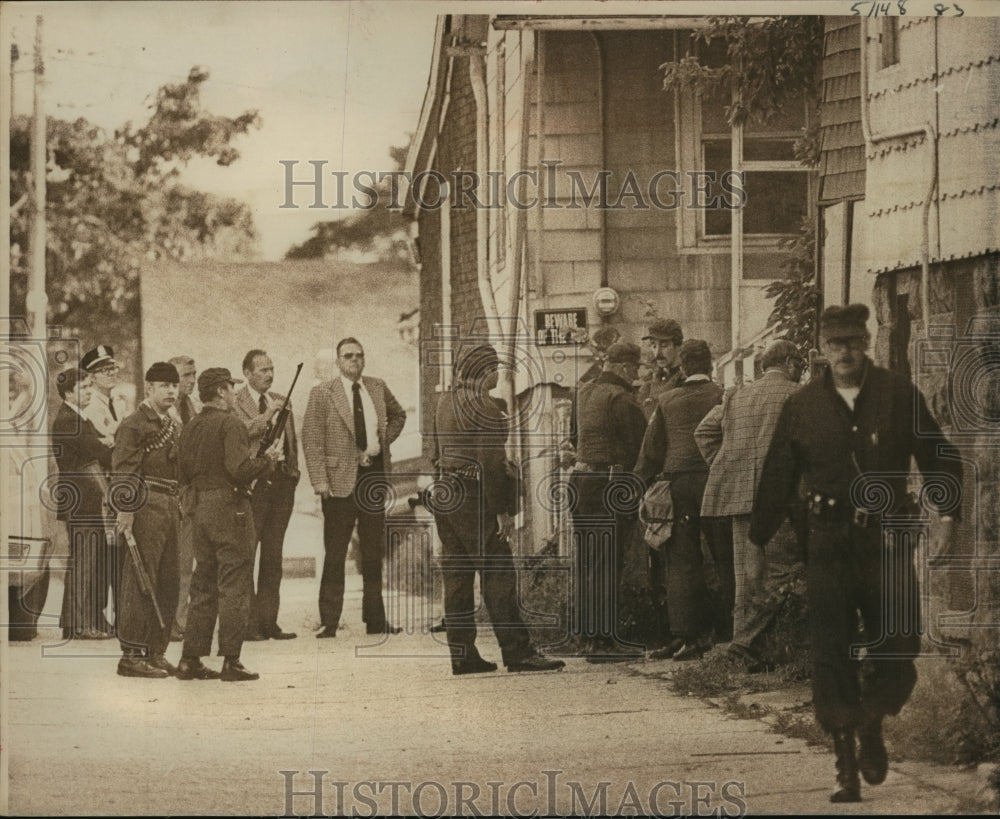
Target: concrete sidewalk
[(611, 739)]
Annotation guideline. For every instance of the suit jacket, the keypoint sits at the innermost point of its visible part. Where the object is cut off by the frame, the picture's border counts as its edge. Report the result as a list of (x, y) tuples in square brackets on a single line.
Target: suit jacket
[(249, 413), (193, 408), (735, 445), (79, 452), (669, 444), (328, 433)]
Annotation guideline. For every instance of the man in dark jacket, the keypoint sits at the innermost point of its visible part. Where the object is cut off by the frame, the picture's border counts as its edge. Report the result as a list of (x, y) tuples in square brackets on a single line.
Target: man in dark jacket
[(145, 460), (216, 470), (610, 426), (669, 450), (850, 436), (83, 458), (474, 501)]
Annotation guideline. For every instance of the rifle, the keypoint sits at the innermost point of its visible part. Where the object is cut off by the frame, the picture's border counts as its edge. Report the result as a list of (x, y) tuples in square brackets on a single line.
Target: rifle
[(276, 426), (145, 584)]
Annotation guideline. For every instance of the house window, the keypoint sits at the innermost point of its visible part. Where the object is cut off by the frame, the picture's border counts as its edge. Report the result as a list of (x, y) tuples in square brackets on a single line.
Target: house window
[(775, 183), (889, 39)]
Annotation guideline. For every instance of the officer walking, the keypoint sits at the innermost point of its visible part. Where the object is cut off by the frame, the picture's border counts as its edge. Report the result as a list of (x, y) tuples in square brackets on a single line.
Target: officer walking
[(850, 436), (145, 455), (610, 428), (216, 469)]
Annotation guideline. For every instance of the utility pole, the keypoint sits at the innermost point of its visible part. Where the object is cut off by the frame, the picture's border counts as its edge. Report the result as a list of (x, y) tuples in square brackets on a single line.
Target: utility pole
[(37, 300)]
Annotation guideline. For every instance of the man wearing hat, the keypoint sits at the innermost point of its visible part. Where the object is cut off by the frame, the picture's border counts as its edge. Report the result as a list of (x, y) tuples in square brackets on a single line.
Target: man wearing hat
[(144, 468), (474, 501), (609, 430), (105, 414), (849, 436), (216, 469), (664, 339), (669, 451)]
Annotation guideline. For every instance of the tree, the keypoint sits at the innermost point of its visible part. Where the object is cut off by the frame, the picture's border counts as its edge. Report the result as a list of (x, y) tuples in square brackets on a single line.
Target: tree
[(114, 204), (769, 62), (378, 230)]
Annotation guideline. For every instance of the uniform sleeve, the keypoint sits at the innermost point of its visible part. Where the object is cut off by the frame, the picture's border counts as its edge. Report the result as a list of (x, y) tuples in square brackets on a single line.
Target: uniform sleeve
[(779, 479), (126, 457), (236, 448), (499, 485), (935, 454), (653, 450)]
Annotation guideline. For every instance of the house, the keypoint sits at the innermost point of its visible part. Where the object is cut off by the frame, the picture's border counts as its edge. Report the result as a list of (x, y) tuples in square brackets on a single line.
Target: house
[(909, 198), (557, 189)]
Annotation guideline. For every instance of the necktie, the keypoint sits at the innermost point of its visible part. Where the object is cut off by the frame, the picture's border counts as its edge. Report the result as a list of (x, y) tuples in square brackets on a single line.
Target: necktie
[(360, 432), (262, 404), (111, 406)]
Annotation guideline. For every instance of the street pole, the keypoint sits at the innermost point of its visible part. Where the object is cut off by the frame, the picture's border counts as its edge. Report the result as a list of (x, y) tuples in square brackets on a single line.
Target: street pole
[(37, 301)]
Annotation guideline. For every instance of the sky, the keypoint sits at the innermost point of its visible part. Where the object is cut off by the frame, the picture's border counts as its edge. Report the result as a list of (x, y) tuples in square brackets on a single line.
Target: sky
[(336, 81)]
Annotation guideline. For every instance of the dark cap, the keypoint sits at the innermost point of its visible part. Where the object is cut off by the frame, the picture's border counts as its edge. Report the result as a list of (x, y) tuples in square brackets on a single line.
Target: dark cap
[(624, 352), (215, 377), (849, 321), (664, 330), (100, 356), (475, 361), (695, 357), (163, 372)]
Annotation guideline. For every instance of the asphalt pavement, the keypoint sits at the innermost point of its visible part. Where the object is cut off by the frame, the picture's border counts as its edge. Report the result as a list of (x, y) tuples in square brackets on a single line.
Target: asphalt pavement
[(360, 725)]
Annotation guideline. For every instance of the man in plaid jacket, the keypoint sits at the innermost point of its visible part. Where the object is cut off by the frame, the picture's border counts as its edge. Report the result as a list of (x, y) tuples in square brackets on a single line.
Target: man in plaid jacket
[(734, 438), (350, 422)]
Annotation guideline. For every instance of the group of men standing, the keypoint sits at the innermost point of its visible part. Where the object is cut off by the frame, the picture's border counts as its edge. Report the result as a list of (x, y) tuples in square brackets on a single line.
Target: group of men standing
[(763, 478), (166, 507)]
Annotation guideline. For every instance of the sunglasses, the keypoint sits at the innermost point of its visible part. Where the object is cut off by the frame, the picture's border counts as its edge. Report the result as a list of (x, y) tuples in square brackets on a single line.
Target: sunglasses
[(352, 355)]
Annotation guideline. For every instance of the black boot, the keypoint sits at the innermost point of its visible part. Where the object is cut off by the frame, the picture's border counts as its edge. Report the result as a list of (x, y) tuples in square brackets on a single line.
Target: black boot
[(848, 787), (872, 757)]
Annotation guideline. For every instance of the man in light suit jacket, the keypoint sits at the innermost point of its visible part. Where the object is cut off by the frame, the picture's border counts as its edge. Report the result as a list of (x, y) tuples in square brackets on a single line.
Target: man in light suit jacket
[(273, 497), (734, 438), (350, 422)]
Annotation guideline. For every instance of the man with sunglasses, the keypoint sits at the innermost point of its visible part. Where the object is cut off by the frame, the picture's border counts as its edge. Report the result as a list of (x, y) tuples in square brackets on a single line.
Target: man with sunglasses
[(349, 423), (105, 414), (849, 437)]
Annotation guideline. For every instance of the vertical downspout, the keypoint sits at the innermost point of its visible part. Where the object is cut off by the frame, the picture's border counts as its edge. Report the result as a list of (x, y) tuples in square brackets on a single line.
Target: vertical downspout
[(736, 252), (604, 154), (478, 79), (446, 319), (539, 280)]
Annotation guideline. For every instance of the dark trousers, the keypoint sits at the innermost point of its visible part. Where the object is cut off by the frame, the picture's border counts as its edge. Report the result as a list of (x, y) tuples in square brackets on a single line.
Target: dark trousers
[(272, 506), (155, 529), (720, 576), (470, 544), (599, 539), (339, 518), (81, 608), (853, 577), (222, 583), (185, 569), (688, 605), (24, 605)]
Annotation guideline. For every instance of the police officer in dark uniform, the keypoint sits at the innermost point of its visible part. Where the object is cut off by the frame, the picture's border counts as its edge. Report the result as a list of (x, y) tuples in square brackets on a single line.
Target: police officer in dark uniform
[(144, 459), (664, 339), (474, 501), (610, 426), (850, 435), (216, 470)]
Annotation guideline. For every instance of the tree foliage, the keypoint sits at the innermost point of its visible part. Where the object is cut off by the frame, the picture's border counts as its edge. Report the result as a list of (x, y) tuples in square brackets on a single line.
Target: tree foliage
[(796, 296), (114, 203), (379, 230)]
